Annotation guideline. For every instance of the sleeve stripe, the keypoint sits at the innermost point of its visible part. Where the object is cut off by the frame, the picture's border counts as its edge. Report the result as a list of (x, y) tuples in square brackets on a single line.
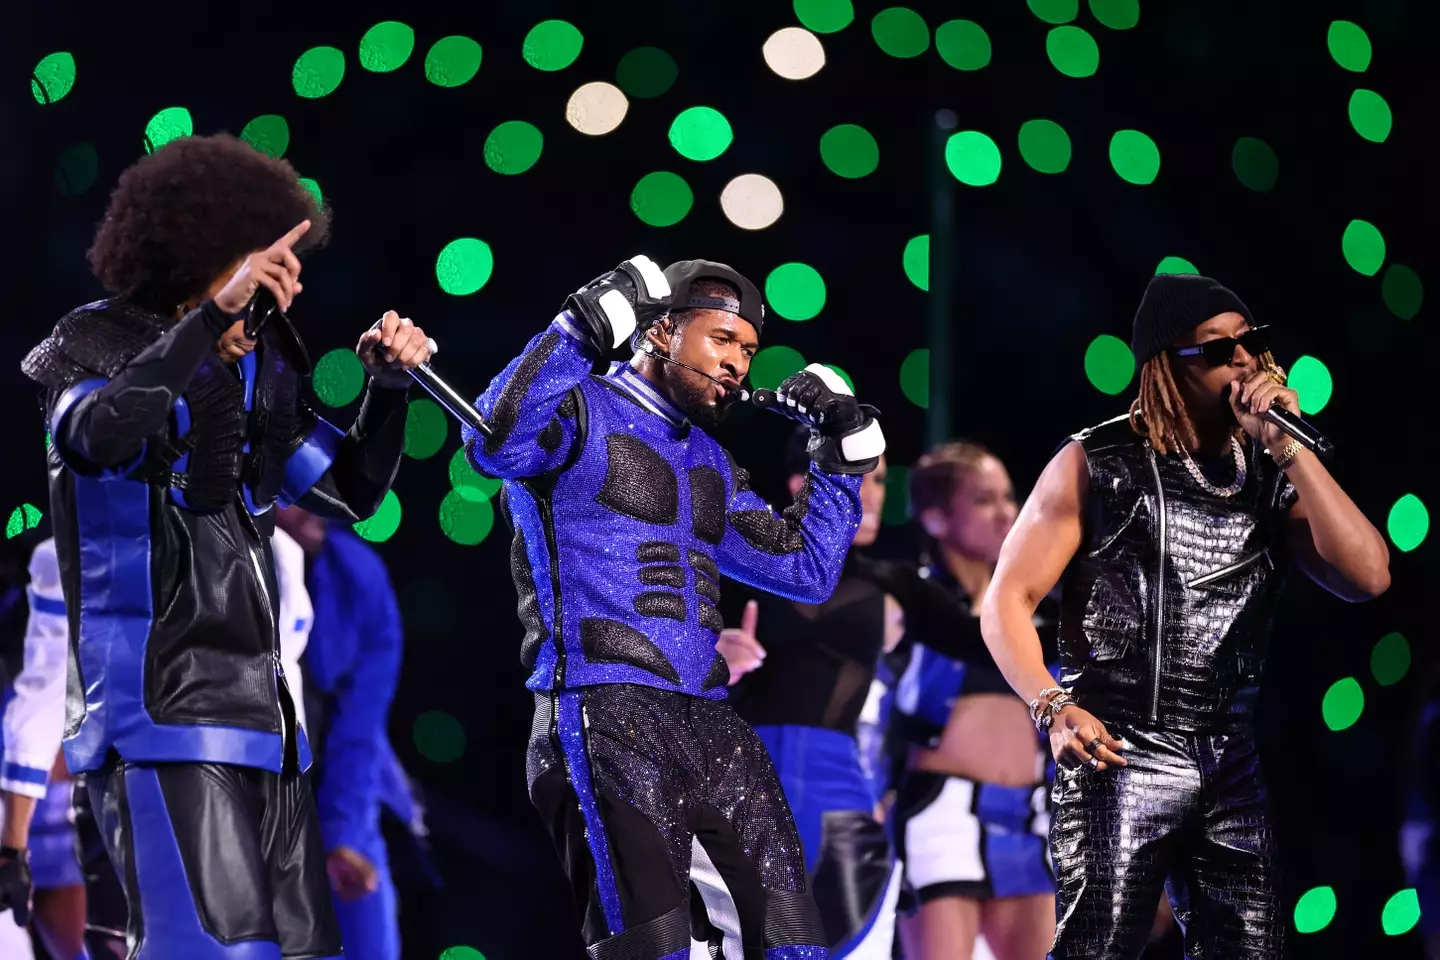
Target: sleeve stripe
[(18, 774), (43, 604)]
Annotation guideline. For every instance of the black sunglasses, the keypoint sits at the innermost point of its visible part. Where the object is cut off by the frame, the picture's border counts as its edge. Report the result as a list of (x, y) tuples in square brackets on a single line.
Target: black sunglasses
[(1219, 352)]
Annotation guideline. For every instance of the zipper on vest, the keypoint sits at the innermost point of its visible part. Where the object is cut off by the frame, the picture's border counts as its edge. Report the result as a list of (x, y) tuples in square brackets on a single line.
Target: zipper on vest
[(1157, 647), (547, 520), (274, 637), (1235, 567)]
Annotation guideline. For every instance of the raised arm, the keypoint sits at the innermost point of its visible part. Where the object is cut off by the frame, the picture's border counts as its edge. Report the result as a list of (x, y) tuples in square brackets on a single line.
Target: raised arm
[(1328, 536), (532, 424)]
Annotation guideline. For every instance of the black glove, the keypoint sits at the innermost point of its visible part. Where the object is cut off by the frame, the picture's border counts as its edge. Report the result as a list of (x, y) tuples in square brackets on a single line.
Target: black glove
[(15, 883), (846, 435), (613, 305)]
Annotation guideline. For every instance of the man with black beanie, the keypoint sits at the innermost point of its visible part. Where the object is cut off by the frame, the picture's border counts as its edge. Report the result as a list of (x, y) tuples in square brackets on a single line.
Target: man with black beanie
[(1173, 528)]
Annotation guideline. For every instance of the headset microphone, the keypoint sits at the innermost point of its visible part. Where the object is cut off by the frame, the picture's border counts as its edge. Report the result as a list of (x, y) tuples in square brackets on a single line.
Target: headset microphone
[(741, 394)]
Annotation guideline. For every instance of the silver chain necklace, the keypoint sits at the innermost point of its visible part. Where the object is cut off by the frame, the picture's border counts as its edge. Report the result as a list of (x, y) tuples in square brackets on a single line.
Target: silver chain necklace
[(1235, 487)]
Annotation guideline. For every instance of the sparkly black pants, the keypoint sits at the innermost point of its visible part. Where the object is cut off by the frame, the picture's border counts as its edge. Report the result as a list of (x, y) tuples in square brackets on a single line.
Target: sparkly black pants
[(1189, 813), (671, 825)]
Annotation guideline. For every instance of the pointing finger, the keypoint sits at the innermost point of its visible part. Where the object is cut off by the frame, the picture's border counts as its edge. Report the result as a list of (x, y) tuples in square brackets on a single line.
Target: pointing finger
[(749, 617), (294, 235)]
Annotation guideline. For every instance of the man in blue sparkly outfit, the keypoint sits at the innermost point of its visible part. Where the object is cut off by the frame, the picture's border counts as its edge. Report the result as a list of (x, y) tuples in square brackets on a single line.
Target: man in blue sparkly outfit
[(626, 513)]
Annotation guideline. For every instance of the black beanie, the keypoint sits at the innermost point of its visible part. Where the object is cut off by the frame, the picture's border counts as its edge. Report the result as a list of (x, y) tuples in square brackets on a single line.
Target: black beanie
[(1173, 305)]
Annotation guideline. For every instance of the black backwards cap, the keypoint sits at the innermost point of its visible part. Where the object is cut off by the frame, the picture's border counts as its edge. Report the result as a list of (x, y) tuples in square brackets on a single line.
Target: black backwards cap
[(682, 275)]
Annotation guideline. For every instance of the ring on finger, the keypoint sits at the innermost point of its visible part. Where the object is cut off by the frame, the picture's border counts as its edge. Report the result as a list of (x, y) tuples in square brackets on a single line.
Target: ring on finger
[(1090, 747), (1093, 762)]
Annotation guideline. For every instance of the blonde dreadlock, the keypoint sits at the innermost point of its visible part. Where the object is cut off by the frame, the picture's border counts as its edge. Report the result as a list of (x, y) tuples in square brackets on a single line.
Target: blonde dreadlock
[(1158, 412)]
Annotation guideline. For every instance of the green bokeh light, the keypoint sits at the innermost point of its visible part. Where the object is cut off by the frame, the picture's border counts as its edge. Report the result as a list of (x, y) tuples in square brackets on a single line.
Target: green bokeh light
[(1073, 51), (916, 260), (76, 169), (824, 16), (843, 375), (318, 72), (467, 482), (338, 378), (464, 266), (701, 133), (1116, 14), (973, 158), (1175, 265), (384, 523), (465, 519), (1390, 659), (1045, 145), (1402, 290), (513, 147), (452, 61), (1401, 913), (1343, 704), (900, 32), (386, 46), (661, 199), (27, 516), (1134, 157), (1370, 115), (425, 428), (461, 953), (896, 511), (552, 45), (268, 133), (1315, 910), (915, 377), (53, 77), (172, 123), (1255, 164), (1054, 11), (1310, 378), (1109, 364), (963, 44), (1349, 45), (849, 151), (772, 365), (1364, 247), (439, 737), (1408, 523), (796, 291), (646, 72), (313, 189)]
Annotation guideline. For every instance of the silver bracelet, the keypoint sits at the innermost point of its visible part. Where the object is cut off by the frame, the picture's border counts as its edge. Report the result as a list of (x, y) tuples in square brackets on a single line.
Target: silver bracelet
[(1041, 698), (1052, 709)]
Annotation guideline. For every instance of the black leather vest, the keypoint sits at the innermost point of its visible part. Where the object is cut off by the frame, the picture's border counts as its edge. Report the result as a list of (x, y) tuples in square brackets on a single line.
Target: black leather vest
[(1167, 605)]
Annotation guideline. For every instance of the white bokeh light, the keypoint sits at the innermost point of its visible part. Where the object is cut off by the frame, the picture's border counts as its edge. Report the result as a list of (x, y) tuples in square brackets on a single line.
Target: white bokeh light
[(752, 202), (596, 108), (795, 53)]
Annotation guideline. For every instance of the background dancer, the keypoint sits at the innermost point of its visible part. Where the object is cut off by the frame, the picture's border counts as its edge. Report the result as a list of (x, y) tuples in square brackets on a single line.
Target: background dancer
[(34, 783), (1173, 527), (173, 435), (351, 666), (626, 513), (970, 811), (812, 670)]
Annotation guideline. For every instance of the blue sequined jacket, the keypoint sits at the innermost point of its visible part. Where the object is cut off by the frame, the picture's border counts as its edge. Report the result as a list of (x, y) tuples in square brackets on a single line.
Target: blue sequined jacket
[(626, 515)]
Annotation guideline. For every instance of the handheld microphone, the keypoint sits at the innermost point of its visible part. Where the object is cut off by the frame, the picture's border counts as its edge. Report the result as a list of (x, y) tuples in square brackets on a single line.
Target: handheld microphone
[(262, 305), (740, 393), (1310, 438), (436, 385)]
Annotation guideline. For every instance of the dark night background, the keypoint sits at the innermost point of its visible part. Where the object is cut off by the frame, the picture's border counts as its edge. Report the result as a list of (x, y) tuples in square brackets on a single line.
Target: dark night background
[(1039, 266)]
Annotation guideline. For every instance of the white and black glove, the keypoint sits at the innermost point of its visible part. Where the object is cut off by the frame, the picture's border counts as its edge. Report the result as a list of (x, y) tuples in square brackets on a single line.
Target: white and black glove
[(845, 435), (611, 306)]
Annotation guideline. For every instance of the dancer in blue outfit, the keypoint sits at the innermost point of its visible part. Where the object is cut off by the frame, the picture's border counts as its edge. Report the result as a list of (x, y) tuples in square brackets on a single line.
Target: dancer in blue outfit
[(626, 513), (350, 666)]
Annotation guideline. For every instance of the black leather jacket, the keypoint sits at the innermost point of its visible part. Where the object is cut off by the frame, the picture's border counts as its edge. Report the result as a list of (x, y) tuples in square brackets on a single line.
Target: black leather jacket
[(1166, 607), (164, 464)]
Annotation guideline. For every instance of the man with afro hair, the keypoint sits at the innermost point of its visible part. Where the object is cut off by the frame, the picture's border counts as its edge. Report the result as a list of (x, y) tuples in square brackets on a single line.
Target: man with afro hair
[(178, 418)]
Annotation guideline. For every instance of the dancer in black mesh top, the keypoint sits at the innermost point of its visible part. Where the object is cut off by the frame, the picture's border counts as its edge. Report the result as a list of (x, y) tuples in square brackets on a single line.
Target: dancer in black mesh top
[(807, 670), (1173, 528)]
